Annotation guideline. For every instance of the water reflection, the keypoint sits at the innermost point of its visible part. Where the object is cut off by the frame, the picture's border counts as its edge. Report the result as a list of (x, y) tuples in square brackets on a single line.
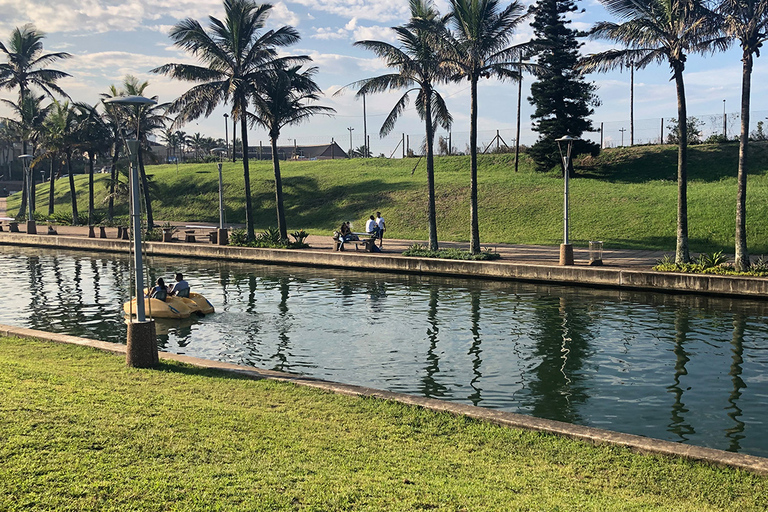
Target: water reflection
[(677, 424), (686, 368), (562, 336), (736, 433)]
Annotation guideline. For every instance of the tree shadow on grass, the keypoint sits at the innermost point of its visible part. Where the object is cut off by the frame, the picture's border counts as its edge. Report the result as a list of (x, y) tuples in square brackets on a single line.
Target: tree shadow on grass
[(706, 163)]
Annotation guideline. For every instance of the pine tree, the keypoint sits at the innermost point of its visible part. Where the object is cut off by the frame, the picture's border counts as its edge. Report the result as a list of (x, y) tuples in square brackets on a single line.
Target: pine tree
[(563, 99)]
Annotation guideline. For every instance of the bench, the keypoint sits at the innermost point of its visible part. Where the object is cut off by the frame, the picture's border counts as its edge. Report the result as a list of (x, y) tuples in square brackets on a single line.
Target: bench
[(13, 226), (209, 231), (366, 239)]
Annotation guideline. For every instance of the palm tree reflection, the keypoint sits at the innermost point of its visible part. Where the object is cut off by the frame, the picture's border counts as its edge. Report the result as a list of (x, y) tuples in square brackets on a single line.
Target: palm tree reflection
[(475, 350), (736, 433), (430, 387), (678, 425)]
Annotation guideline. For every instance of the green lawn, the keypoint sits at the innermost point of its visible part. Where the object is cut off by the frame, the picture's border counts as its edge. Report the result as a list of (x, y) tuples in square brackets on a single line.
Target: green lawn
[(626, 197), (80, 431)]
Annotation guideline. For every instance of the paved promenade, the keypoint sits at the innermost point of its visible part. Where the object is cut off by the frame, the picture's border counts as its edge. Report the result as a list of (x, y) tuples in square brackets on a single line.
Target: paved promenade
[(513, 253)]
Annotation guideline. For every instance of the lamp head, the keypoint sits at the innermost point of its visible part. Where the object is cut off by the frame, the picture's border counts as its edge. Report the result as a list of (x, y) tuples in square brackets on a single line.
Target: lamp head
[(130, 100)]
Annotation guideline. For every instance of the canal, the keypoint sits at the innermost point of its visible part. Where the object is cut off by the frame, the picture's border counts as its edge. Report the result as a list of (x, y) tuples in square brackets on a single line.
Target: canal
[(683, 368)]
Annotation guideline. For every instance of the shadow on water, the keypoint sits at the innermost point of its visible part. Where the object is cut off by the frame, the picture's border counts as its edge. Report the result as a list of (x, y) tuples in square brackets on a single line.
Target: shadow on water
[(650, 364)]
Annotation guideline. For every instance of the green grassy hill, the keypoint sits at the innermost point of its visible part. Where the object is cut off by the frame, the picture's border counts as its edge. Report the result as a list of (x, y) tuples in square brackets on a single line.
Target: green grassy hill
[(625, 197)]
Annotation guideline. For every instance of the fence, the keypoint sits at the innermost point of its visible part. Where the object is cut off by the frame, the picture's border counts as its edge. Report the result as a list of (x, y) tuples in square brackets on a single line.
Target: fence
[(613, 134)]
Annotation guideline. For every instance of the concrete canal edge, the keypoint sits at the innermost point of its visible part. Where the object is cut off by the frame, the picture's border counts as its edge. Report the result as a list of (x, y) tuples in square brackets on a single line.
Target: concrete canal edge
[(748, 287), (751, 463)]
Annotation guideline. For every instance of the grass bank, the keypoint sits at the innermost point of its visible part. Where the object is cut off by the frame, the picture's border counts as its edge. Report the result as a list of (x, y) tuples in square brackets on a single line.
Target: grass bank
[(626, 197), (81, 431)]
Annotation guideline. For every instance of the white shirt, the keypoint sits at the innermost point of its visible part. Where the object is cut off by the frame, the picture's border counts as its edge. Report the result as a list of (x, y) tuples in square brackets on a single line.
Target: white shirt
[(369, 225), (380, 223)]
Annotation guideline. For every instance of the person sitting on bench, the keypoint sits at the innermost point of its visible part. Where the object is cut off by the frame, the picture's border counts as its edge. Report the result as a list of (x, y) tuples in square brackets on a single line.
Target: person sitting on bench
[(159, 292), (180, 288), (372, 228)]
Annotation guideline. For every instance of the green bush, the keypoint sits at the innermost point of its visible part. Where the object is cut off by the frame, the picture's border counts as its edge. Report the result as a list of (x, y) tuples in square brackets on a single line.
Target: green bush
[(422, 251), (268, 239), (715, 264)]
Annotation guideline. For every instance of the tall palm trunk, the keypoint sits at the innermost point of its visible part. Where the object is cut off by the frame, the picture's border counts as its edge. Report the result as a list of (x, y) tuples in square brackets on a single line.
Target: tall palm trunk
[(741, 259), (75, 216), (474, 245), (90, 188), (246, 178), (112, 181), (433, 243), (145, 187), (681, 252), (281, 227), (55, 165)]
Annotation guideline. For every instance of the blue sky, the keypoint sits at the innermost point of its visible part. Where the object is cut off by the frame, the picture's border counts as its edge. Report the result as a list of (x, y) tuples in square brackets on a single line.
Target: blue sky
[(111, 38)]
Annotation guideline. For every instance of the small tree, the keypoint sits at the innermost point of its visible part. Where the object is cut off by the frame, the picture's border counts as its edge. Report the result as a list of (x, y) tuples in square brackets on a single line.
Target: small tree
[(693, 131)]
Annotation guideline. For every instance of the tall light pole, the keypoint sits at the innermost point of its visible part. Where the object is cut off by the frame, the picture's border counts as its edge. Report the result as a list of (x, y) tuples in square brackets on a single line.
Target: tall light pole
[(141, 350), (725, 123), (226, 133), (25, 160), (566, 248), (221, 233), (350, 140)]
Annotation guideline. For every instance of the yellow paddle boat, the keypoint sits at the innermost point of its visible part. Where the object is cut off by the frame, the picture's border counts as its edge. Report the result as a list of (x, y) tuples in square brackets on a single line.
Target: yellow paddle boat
[(172, 307)]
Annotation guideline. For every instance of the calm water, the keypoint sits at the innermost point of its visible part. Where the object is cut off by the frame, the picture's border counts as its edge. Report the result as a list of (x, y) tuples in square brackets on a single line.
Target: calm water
[(682, 368)]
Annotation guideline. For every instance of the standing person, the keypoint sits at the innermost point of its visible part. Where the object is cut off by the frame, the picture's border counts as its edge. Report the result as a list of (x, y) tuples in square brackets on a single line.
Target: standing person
[(382, 227), (180, 288)]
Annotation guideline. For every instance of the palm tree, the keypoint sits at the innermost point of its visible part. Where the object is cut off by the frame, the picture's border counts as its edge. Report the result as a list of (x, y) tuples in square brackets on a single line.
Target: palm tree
[(478, 49), (62, 138), (283, 102), (25, 68), (659, 31), (147, 119), (197, 141), (94, 138), (419, 69), (29, 128), (235, 54), (115, 119), (746, 21)]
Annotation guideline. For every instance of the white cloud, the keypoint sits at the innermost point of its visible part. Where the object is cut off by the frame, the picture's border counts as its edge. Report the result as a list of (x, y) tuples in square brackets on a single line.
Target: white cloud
[(375, 33), (329, 33), (361, 9)]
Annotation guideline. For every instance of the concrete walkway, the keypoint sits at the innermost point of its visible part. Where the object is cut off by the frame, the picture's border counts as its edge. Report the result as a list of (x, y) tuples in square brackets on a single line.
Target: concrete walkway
[(512, 253)]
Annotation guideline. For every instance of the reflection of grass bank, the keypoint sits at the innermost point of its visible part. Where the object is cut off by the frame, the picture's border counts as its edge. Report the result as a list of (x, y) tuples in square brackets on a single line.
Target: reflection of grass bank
[(626, 197), (81, 431)]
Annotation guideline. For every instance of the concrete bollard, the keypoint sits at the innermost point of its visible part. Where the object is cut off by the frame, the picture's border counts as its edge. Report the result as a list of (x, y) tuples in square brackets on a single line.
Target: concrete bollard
[(141, 351), (222, 236)]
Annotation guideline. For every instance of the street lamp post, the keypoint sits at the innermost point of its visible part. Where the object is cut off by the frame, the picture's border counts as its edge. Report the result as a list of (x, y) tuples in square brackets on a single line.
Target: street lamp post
[(350, 140), (25, 160), (566, 248), (221, 234), (141, 349), (226, 134)]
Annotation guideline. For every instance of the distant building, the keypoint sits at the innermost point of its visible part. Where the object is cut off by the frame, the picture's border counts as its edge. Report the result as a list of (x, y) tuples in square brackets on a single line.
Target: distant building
[(330, 151)]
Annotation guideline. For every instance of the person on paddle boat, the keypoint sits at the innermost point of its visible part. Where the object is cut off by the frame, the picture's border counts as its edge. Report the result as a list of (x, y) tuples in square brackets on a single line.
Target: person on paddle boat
[(180, 288), (159, 292)]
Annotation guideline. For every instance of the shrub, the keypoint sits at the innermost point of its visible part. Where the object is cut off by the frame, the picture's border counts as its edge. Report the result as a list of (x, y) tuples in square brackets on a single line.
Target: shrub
[(422, 251), (268, 239)]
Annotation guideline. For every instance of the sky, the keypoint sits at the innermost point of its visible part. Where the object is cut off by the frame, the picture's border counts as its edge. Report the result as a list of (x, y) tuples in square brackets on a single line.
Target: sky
[(109, 39)]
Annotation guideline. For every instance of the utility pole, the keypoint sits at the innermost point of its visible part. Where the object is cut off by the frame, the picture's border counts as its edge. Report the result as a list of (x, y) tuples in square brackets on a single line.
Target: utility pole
[(517, 132), (631, 104), (365, 132), (622, 136), (350, 141), (234, 138)]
